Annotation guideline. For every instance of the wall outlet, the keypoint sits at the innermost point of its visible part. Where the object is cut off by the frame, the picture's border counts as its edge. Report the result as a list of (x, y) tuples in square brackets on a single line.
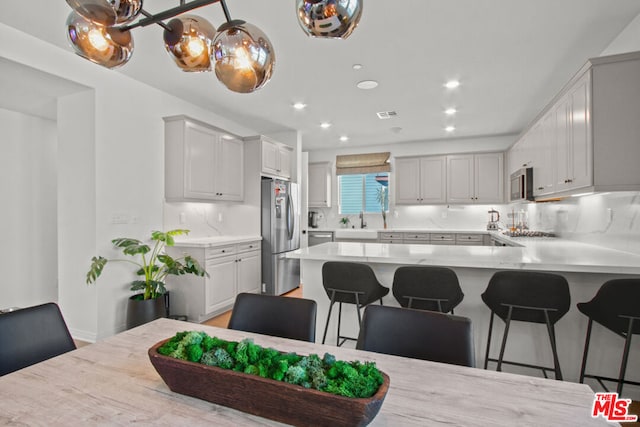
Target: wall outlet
[(220, 217), (119, 218), (182, 218)]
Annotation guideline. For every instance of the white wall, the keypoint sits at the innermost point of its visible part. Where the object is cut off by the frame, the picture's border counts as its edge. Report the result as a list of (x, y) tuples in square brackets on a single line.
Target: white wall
[(28, 257), (117, 169)]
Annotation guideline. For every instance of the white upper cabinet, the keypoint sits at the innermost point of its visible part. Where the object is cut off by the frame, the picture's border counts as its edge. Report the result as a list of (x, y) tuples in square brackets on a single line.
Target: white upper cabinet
[(276, 158), (319, 185), (420, 180), (488, 178), (202, 163), (588, 135), (475, 178)]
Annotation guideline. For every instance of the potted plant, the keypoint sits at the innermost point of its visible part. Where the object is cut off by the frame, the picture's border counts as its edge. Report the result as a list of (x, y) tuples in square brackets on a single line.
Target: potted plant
[(153, 265), (345, 222), (382, 196)]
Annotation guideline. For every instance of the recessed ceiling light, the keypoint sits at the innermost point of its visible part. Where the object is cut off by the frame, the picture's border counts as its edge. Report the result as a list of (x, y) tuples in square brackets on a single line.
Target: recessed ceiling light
[(344, 138), (450, 111), (450, 128), (325, 125), (452, 84), (357, 66), (299, 106), (367, 84)]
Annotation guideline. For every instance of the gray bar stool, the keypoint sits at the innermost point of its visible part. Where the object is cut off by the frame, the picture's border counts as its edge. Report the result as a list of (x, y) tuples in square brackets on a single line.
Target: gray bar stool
[(527, 296), (616, 306), (349, 283), (427, 288)]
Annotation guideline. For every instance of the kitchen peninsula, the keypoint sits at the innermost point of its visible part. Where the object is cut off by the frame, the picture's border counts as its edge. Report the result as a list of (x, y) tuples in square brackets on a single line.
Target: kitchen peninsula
[(586, 268)]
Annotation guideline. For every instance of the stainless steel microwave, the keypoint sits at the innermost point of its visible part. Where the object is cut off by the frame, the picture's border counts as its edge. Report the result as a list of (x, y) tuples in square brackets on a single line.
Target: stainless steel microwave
[(521, 185)]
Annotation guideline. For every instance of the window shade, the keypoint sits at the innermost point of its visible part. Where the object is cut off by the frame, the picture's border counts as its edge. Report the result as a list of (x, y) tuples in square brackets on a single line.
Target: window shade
[(363, 163)]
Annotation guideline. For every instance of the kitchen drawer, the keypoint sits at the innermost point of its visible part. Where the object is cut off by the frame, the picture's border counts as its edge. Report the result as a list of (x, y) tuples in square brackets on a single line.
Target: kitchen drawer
[(416, 237), (442, 237), (249, 246), (219, 251), (469, 238), (391, 241), (390, 236)]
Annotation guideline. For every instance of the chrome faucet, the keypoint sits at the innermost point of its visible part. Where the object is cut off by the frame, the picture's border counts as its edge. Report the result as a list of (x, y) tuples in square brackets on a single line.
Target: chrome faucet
[(362, 223)]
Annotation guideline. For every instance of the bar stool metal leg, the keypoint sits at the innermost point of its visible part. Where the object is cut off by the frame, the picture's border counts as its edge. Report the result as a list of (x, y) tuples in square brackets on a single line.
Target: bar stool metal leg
[(486, 356), (504, 338), (326, 326), (586, 350), (552, 338), (625, 356), (339, 321)]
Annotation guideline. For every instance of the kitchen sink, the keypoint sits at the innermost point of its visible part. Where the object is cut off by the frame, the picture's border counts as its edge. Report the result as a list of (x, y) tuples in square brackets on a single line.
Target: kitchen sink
[(355, 233)]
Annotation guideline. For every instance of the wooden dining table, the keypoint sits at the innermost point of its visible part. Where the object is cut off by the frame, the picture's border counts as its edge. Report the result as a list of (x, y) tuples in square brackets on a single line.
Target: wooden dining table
[(112, 382)]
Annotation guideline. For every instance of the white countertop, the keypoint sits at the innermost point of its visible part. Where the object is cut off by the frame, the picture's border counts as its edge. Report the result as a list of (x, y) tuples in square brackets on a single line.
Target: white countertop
[(209, 242), (535, 254)]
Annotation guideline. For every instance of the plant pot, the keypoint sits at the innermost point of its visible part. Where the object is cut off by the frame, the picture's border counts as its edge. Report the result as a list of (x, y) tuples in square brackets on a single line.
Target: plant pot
[(276, 400), (141, 311)]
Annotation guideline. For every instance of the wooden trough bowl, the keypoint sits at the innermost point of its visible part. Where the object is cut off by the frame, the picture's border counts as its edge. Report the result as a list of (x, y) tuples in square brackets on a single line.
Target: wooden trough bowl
[(276, 400)]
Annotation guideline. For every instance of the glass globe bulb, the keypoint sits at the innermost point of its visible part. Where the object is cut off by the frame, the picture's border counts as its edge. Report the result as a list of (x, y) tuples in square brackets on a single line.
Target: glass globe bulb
[(107, 12), (329, 18), (106, 46), (244, 57), (189, 42)]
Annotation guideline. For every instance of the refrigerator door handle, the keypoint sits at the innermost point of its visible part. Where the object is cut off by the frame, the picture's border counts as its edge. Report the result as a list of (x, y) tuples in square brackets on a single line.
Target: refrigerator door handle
[(290, 218)]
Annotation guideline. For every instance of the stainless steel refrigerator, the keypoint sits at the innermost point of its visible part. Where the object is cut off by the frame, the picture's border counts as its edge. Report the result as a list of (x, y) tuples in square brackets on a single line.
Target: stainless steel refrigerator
[(280, 234)]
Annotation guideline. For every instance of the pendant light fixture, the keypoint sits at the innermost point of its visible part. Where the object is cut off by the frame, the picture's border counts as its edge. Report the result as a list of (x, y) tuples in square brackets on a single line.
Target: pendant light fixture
[(329, 18), (243, 55), (188, 41), (107, 12), (244, 58), (107, 46)]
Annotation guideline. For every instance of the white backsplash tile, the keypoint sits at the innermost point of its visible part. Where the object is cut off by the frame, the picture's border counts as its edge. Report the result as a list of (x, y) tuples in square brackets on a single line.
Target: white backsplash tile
[(610, 220)]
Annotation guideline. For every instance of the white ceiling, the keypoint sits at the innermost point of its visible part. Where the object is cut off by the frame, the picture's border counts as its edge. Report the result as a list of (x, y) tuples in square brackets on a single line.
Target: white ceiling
[(511, 57)]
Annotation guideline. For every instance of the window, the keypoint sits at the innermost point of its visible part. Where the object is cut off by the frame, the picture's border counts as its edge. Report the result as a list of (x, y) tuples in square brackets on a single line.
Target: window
[(363, 193)]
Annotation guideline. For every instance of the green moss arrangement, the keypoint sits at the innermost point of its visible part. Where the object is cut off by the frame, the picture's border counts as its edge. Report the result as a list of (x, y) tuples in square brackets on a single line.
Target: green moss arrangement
[(350, 379)]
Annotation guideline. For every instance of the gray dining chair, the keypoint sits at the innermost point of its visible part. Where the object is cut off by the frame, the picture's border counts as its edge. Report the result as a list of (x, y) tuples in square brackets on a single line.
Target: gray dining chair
[(278, 316), (32, 335), (418, 334)]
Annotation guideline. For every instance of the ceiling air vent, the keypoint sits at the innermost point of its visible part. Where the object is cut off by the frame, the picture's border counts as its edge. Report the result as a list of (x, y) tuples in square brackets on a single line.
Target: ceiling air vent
[(382, 115)]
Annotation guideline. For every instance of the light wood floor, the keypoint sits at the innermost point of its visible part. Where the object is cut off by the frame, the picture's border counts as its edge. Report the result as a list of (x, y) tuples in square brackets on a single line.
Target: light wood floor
[(222, 320)]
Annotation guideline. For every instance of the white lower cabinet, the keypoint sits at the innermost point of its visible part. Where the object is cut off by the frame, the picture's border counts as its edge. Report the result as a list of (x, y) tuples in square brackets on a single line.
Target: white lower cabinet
[(220, 288), (232, 269), (249, 272)]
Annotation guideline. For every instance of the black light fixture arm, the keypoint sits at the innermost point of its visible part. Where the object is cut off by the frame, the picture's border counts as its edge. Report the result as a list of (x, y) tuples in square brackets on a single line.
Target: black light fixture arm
[(169, 13), (227, 15), (162, 24)]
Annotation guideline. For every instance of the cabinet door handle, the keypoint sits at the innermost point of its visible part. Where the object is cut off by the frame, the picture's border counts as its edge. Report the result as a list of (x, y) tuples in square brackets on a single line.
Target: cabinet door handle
[(540, 188)]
